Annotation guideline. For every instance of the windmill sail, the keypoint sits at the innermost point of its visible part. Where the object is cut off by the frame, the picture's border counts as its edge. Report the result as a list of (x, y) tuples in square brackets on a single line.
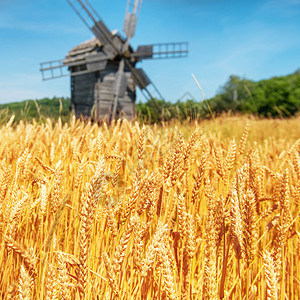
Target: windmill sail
[(142, 80), (162, 50), (53, 69), (131, 17), (148, 88), (92, 20)]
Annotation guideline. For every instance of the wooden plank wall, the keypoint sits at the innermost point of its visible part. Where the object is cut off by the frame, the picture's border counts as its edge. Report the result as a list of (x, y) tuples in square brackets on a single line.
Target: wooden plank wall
[(83, 89), (93, 92), (126, 105)]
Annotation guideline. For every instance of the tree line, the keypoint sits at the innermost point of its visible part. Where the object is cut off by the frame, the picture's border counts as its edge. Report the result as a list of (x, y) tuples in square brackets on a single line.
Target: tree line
[(274, 97)]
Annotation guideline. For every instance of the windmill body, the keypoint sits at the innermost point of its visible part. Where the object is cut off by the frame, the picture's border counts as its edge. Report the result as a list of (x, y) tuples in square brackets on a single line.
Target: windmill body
[(103, 70), (92, 93)]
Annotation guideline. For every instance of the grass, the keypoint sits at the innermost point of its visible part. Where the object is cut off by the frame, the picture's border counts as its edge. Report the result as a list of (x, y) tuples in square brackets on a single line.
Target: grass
[(206, 210), (39, 110)]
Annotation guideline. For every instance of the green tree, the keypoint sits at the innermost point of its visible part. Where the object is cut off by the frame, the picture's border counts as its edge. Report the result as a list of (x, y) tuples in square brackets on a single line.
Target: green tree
[(233, 94), (272, 97)]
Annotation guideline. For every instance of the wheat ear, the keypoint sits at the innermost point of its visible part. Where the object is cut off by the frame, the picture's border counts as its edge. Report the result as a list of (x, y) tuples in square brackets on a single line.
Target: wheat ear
[(51, 283), (56, 194), (110, 274), (25, 285), (188, 254), (4, 184), (236, 226), (63, 279), (210, 288), (167, 272), (250, 227), (243, 140), (111, 221), (200, 173), (230, 158), (25, 257), (270, 275), (121, 248), (153, 249)]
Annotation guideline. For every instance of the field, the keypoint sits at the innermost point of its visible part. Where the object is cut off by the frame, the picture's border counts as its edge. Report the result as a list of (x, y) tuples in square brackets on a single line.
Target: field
[(206, 210)]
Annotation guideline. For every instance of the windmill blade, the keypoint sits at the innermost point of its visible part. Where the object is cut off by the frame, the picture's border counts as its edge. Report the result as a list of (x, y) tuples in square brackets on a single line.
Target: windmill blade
[(141, 78), (59, 68), (148, 88), (162, 50), (56, 69), (92, 20), (145, 84), (131, 16), (53, 69)]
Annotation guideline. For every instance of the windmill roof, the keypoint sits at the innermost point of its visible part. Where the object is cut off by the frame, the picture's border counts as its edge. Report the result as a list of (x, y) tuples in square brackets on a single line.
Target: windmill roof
[(86, 48)]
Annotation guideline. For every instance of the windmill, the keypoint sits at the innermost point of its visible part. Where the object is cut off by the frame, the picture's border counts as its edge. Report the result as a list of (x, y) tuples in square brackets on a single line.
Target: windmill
[(103, 70)]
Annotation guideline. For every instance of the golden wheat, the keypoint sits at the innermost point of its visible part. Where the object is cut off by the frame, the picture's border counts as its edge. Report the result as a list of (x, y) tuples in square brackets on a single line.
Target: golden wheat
[(171, 211)]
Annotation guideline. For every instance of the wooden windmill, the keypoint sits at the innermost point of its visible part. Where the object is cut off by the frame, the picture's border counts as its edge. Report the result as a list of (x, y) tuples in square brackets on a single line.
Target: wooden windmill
[(103, 70)]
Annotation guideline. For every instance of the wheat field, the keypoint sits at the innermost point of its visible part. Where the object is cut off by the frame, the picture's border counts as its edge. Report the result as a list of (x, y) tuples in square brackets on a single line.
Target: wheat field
[(206, 210)]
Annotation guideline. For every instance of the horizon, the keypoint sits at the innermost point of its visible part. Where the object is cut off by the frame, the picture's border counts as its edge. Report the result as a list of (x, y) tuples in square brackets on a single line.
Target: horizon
[(256, 40), (184, 98)]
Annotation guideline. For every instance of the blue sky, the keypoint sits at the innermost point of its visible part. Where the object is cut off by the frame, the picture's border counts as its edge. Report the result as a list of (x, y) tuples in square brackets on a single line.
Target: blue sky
[(255, 39)]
